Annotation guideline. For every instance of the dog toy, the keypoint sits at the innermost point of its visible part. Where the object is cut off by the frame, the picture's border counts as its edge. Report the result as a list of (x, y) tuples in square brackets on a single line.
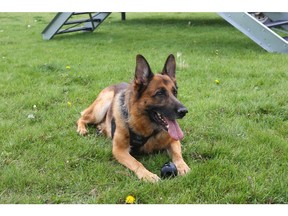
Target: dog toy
[(169, 170)]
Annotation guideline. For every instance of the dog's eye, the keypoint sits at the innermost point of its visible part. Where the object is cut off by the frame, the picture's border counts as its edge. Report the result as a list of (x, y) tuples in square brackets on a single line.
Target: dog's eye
[(175, 92), (161, 92)]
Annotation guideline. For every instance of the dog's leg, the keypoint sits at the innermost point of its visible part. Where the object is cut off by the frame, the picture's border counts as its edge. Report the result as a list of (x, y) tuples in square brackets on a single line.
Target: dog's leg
[(96, 112), (175, 151), (87, 117), (122, 155)]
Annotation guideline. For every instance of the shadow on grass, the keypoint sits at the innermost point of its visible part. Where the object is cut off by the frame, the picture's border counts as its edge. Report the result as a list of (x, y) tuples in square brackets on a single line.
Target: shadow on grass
[(79, 36), (164, 22)]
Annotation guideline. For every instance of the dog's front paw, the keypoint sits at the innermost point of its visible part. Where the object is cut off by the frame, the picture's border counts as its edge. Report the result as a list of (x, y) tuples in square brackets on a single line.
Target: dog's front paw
[(182, 168), (148, 176)]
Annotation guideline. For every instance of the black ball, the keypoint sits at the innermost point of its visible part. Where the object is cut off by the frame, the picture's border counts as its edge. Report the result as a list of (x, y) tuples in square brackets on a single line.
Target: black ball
[(169, 170)]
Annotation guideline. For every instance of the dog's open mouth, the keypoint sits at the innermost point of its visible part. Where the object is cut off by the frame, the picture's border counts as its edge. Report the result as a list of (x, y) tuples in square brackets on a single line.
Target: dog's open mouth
[(171, 126)]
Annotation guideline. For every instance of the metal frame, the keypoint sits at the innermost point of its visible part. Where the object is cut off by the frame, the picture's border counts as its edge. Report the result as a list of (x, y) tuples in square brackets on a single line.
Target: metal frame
[(61, 24), (257, 31)]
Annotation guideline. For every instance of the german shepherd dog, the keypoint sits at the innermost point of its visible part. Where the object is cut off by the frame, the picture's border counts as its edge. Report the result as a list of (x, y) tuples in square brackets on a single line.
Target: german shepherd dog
[(140, 117)]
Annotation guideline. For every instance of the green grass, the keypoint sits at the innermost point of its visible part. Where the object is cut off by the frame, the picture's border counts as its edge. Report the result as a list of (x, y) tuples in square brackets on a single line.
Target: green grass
[(236, 141)]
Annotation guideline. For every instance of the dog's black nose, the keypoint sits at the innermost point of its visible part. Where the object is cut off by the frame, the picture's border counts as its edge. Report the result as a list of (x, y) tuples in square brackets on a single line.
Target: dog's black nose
[(181, 112)]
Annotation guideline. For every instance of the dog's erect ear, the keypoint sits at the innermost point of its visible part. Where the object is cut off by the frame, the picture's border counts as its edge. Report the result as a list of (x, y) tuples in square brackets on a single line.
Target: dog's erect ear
[(170, 67), (143, 73)]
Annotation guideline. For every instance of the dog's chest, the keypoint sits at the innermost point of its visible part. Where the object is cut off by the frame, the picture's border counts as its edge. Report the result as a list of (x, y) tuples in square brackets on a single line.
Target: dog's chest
[(136, 141)]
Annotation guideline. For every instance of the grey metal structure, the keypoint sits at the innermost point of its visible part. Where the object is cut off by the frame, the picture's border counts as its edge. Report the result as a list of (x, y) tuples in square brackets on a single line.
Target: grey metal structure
[(277, 17), (65, 22), (261, 31)]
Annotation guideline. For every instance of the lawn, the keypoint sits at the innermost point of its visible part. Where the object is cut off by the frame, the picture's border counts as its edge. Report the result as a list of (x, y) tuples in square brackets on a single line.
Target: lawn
[(236, 131)]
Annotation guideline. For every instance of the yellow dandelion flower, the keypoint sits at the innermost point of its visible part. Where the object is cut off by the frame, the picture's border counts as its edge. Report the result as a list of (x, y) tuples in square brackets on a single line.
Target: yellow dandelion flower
[(130, 199)]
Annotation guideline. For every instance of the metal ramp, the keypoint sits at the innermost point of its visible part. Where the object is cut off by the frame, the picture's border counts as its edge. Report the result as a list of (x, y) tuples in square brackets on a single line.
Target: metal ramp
[(262, 31), (67, 22)]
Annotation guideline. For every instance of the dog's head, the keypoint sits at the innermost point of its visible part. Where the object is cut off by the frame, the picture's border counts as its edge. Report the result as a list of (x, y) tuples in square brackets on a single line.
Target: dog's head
[(157, 95)]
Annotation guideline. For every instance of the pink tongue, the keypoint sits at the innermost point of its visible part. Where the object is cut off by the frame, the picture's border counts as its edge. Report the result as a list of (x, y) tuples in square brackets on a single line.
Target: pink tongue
[(174, 130)]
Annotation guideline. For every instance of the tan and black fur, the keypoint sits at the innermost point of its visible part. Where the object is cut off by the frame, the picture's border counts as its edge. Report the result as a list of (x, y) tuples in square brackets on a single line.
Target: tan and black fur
[(140, 117)]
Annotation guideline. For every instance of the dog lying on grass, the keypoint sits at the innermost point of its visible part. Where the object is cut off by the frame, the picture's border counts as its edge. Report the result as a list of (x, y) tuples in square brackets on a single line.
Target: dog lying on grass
[(140, 117)]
